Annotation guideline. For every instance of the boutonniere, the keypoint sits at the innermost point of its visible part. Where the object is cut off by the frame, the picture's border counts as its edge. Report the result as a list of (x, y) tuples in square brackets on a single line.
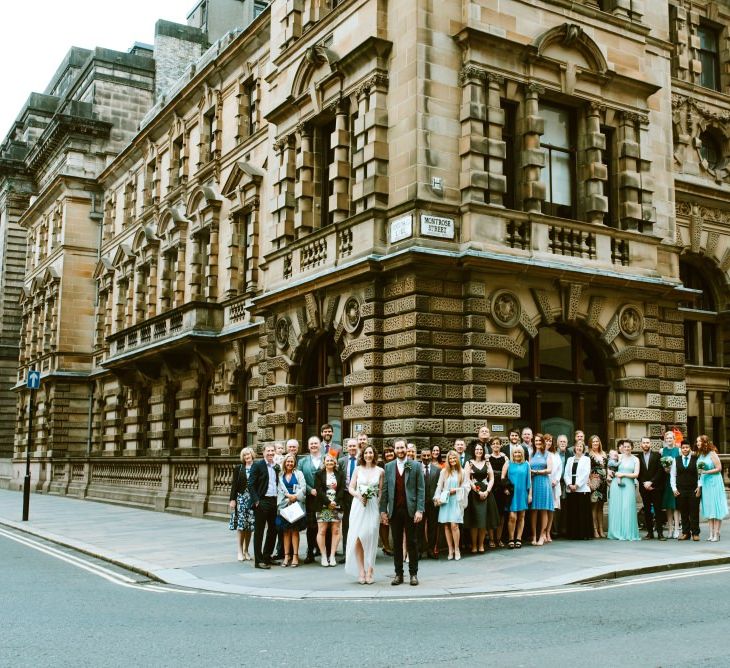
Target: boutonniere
[(407, 465), (277, 469)]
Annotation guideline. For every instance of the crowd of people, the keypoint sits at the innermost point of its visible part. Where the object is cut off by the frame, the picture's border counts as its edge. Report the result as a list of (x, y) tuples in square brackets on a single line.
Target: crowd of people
[(481, 496)]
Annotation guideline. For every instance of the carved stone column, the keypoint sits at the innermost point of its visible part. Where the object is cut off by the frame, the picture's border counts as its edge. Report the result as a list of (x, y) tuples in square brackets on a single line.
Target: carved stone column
[(474, 179), (196, 270), (152, 288), (635, 183), (339, 170), (179, 287), (533, 157), (211, 270), (594, 201), (283, 205), (304, 187)]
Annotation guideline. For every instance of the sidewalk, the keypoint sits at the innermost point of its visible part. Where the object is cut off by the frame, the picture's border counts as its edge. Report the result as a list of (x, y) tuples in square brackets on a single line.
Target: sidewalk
[(200, 554)]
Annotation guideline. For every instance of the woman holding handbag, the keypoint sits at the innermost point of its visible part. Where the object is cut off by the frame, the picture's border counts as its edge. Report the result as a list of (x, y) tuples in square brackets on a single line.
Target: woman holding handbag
[(451, 499), (242, 517), (329, 482), (292, 489)]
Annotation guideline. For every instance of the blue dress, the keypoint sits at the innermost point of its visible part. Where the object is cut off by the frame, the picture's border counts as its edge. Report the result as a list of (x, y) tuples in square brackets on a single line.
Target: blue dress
[(451, 511), (622, 520), (713, 502), (669, 499), (542, 491), (519, 475)]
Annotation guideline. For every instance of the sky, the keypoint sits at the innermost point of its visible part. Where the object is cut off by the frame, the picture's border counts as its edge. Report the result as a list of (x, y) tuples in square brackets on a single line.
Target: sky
[(37, 34)]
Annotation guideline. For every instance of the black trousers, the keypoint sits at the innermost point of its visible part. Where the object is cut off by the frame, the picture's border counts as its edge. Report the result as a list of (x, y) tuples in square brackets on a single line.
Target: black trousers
[(311, 503), (654, 516), (689, 507), (265, 514), (346, 507), (427, 530), (402, 523)]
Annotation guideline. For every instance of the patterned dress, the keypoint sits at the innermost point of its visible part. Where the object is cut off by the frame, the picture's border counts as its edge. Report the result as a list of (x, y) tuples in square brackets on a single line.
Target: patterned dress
[(242, 518), (542, 491)]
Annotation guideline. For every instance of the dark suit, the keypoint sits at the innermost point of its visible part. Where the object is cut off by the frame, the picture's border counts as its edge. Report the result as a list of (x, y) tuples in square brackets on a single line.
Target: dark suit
[(652, 498), (688, 503), (343, 465), (264, 510), (428, 531), (307, 467)]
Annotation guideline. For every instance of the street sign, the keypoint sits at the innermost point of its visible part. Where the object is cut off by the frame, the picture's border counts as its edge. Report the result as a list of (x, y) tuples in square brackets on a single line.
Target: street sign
[(34, 379)]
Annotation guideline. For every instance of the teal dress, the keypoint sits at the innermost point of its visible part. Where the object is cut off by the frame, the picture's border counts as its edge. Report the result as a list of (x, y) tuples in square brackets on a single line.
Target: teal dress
[(519, 475), (451, 511), (669, 499), (622, 521), (713, 502)]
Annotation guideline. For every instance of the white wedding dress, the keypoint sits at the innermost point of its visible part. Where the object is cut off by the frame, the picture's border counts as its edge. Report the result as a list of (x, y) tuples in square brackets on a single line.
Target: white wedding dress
[(364, 522)]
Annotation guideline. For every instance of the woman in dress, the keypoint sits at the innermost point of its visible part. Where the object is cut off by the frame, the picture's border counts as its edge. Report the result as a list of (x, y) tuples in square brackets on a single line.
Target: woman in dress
[(366, 486), (556, 475), (500, 464), (518, 473), (481, 514), (542, 492), (622, 520), (674, 517), (436, 456), (579, 520), (713, 502), (451, 491), (242, 517), (292, 489), (597, 483), (329, 482)]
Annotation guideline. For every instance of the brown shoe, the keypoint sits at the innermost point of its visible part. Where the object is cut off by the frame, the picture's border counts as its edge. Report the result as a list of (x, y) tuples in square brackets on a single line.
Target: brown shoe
[(695, 537), (684, 536), (397, 580), (414, 580)]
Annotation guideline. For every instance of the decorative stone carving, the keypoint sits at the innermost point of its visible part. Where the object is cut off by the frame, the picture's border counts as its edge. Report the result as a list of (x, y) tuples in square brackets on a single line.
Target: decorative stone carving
[(505, 308), (631, 322), (281, 332)]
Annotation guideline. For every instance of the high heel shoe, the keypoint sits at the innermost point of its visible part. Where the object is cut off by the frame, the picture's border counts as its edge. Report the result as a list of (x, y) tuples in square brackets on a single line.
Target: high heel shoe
[(325, 563), (333, 561), (246, 556), (451, 556), (457, 555), (295, 562)]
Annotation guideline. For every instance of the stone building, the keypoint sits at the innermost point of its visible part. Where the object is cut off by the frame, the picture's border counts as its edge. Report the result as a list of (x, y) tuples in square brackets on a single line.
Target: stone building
[(404, 218)]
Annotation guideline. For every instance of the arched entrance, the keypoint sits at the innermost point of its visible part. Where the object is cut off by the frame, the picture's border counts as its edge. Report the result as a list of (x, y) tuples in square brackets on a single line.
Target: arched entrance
[(563, 384), (323, 392)]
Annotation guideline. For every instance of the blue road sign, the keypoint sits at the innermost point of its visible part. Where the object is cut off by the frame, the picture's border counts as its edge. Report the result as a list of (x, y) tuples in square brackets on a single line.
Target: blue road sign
[(34, 379)]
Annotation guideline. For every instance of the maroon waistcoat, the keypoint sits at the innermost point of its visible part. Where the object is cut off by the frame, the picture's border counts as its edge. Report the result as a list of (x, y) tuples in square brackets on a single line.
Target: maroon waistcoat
[(400, 487)]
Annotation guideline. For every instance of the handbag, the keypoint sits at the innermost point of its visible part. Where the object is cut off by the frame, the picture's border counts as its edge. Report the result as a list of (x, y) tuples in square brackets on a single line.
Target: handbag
[(444, 498), (292, 512)]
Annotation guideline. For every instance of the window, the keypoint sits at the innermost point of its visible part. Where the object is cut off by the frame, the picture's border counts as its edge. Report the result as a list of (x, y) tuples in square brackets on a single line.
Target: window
[(258, 7), (209, 132), (711, 149), (558, 143), (701, 319), (177, 162), (249, 102), (709, 56), (508, 137), (325, 157)]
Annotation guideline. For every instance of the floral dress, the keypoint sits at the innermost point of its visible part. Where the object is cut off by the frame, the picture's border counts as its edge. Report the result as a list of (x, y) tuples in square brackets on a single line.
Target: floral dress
[(242, 518), (597, 478)]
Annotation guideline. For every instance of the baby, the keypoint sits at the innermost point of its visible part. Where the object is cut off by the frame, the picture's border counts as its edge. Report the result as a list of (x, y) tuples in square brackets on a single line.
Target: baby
[(613, 465)]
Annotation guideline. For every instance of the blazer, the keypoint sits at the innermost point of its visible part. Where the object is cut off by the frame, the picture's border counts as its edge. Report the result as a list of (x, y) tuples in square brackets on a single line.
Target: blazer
[(258, 480), (320, 484), (415, 488), (239, 482), (556, 464), (342, 463), (309, 470), (281, 499), (582, 474), (331, 446), (432, 481), (654, 473)]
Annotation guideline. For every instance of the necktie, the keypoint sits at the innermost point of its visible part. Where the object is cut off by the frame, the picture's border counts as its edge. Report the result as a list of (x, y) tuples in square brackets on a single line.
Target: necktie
[(352, 468), (686, 462), (425, 473)]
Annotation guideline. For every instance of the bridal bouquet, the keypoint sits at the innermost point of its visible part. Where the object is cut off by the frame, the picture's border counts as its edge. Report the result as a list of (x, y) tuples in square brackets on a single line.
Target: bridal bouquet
[(702, 466), (368, 492), (666, 462)]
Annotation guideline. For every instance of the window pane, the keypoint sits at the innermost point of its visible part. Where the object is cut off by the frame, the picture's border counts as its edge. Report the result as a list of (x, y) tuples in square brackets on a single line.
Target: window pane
[(708, 38), (556, 355), (709, 346), (557, 127), (560, 178), (708, 77), (690, 342)]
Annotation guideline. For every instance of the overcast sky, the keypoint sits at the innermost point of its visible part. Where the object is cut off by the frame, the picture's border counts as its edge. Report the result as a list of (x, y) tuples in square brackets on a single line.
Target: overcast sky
[(37, 34)]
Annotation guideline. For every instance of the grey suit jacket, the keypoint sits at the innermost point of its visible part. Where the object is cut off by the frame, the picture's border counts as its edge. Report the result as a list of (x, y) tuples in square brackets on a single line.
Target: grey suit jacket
[(415, 488)]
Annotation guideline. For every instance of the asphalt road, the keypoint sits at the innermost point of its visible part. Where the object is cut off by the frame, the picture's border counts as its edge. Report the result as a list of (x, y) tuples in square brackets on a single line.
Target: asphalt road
[(88, 613)]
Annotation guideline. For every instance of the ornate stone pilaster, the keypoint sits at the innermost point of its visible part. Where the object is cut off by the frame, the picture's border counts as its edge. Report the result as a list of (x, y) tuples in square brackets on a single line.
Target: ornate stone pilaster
[(474, 177), (635, 182), (339, 169), (532, 127), (283, 205), (304, 186), (595, 203)]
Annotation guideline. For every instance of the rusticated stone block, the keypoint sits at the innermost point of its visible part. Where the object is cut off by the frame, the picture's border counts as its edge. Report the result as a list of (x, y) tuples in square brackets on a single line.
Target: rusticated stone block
[(423, 426), (453, 357), (671, 343), (501, 410), (476, 357), (652, 369), (474, 392), (675, 373), (446, 305), (443, 409), (639, 384), (372, 326), (393, 392), (407, 339), (405, 409), (451, 339), (454, 428), (636, 354), (429, 355), (667, 416), (453, 322), (405, 285), (675, 402), (371, 309), (653, 400), (393, 427), (373, 393), (652, 339), (680, 417), (673, 315), (651, 309), (476, 305), (371, 360), (475, 322), (626, 414), (406, 304), (651, 324), (426, 391), (361, 345), (407, 373), (448, 374), (475, 289), (364, 377), (362, 411), (454, 391), (665, 328), (495, 342)]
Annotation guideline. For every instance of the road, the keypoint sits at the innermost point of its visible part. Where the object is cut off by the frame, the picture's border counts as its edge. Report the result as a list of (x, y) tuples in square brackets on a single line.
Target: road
[(64, 609)]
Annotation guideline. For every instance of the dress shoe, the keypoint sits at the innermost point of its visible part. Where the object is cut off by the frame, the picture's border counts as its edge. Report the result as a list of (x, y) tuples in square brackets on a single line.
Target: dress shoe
[(273, 562), (263, 566), (661, 536), (684, 536), (649, 536), (397, 580), (695, 537), (414, 580), (309, 559)]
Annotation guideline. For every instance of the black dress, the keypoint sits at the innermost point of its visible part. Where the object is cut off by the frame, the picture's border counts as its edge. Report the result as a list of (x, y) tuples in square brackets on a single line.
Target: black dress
[(579, 519), (481, 513), (500, 498)]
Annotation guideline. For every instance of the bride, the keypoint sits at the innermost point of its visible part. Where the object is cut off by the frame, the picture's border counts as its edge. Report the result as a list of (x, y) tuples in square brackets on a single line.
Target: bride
[(362, 537)]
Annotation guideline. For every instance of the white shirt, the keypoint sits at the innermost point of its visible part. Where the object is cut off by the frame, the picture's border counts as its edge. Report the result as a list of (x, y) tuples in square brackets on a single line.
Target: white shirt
[(271, 489), (401, 464)]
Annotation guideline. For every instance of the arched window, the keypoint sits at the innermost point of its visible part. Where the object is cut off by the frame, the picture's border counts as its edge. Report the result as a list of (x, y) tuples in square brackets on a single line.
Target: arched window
[(563, 384), (324, 392), (700, 318), (711, 149)]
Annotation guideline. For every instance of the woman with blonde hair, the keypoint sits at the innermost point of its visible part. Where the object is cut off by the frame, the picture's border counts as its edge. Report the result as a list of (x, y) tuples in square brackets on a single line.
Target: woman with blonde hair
[(597, 481), (292, 489), (518, 474), (451, 498), (329, 482), (242, 517)]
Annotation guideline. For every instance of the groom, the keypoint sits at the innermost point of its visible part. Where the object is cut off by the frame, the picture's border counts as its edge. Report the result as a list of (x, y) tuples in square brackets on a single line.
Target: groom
[(401, 505)]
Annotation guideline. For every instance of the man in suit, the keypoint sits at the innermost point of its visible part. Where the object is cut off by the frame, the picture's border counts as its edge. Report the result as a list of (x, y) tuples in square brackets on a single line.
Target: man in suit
[(651, 487), (347, 466), (309, 465), (428, 534), (327, 444), (514, 442), (527, 445), (683, 479), (482, 439), (401, 505), (263, 482), (464, 536)]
